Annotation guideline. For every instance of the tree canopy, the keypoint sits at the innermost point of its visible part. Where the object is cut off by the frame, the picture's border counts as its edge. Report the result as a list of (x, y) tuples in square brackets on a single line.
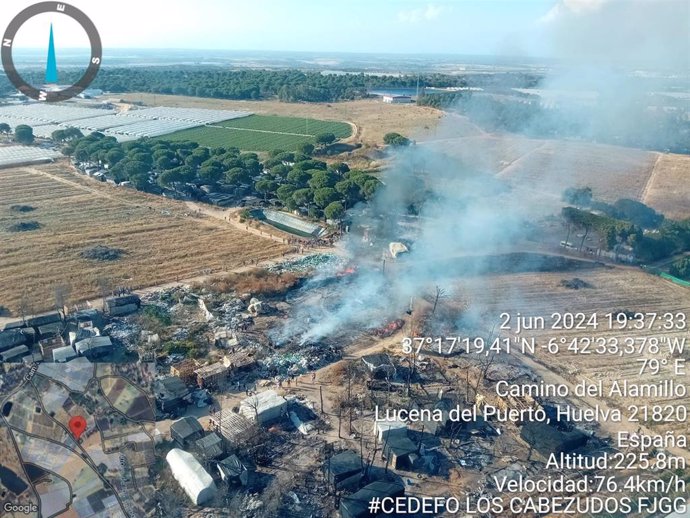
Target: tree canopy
[(395, 140), (24, 134)]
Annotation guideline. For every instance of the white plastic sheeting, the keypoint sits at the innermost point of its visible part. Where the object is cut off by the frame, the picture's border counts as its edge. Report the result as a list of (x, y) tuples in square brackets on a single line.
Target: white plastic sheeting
[(191, 476)]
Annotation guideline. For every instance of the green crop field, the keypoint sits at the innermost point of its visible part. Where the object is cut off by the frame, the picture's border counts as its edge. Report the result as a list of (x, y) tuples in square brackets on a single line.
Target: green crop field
[(261, 132)]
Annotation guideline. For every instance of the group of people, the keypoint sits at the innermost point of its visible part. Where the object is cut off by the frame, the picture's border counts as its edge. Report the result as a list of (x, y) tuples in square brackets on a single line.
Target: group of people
[(311, 243)]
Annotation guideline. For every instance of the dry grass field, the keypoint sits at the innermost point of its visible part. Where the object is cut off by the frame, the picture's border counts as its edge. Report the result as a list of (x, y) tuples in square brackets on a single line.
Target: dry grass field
[(612, 172), (668, 189), (372, 118), (544, 168), (488, 153), (553, 165), (627, 289), (161, 240)]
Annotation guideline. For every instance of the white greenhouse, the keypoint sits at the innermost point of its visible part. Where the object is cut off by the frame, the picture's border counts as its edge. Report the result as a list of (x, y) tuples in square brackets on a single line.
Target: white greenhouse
[(191, 476)]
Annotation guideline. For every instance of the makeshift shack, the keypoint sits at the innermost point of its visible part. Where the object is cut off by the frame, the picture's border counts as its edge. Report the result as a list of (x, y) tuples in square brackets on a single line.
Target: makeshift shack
[(357, 504), (344, 470), (12, 338), (547, 439), (233, 471), (380, 365), (123, 305), (43, 320), (400, 451), (171, 393), (264, 407), (186, 430), (63, 354), (94, 347), (234, 428), (185, 370), (211, 376), (209, 447), (384, 428), (14, 354)]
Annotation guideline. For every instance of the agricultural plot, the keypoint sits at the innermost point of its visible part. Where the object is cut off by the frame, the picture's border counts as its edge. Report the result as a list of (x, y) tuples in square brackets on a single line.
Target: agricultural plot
[(262, 132), (542, 169), (158, 239), (612, 172), (296, 125), (668, 190)]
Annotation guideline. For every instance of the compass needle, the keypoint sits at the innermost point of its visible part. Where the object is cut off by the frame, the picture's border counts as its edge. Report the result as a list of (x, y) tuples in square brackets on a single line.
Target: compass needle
[(51, 66)]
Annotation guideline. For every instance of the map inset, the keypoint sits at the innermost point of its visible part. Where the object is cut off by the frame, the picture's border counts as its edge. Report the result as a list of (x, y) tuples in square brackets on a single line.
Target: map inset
[(46, 471)]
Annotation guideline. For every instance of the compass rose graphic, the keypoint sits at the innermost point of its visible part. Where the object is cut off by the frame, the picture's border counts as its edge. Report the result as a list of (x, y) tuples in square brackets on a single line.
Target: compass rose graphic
[(50, 92)]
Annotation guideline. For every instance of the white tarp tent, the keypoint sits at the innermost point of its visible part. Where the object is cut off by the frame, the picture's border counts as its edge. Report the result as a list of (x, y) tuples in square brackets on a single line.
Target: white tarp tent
[(264, 407)]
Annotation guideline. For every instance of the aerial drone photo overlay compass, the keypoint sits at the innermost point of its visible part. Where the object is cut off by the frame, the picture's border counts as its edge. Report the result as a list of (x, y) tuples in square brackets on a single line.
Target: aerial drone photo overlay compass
[(58, 14)]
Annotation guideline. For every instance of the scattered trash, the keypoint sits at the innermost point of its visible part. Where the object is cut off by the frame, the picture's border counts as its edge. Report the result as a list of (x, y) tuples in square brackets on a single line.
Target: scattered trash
[(308, 263)]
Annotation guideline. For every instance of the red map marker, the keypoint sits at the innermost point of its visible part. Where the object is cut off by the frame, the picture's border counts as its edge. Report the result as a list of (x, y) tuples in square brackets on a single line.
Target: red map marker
[(77, 424)]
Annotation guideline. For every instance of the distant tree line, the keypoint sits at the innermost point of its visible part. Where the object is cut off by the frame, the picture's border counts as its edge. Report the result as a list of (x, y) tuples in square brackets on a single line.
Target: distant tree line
[(522, 113), (285, 85), (296, 179)]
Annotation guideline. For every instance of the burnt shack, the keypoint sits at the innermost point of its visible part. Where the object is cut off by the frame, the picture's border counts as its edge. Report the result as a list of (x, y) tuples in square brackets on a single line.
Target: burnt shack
[(357, 504), (233, 471), (380, 365), (400, 451), (344, 470), (123, 305), (171, 394), (186, 430), (547, 439)]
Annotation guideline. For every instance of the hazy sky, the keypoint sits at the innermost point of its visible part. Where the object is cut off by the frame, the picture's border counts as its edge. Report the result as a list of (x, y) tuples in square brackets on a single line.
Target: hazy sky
[(508, 27)]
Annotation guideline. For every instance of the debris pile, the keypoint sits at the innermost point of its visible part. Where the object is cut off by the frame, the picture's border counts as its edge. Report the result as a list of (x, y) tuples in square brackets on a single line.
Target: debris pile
[(24, 226), (102, 253), (474, 455), (231, 314), (308, 263), (307, 359), (123, 331), (575, 284)]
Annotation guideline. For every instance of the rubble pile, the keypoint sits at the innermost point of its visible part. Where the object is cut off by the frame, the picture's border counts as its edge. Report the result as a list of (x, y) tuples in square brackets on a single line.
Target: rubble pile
[(475, 455), (231, 314), (308, 263), (123, 331), (169, 297), (294, 363)]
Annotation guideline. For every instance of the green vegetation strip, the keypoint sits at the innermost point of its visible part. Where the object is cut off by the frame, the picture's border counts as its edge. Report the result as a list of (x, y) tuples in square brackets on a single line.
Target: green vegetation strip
[(678, 281)]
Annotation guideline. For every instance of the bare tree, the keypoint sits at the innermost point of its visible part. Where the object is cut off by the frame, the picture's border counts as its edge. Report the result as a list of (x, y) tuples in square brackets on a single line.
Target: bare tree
[(26, 306), (253, 403), (105, 288), (440, 294), (485, 364), (62, 293), (584, 237)]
